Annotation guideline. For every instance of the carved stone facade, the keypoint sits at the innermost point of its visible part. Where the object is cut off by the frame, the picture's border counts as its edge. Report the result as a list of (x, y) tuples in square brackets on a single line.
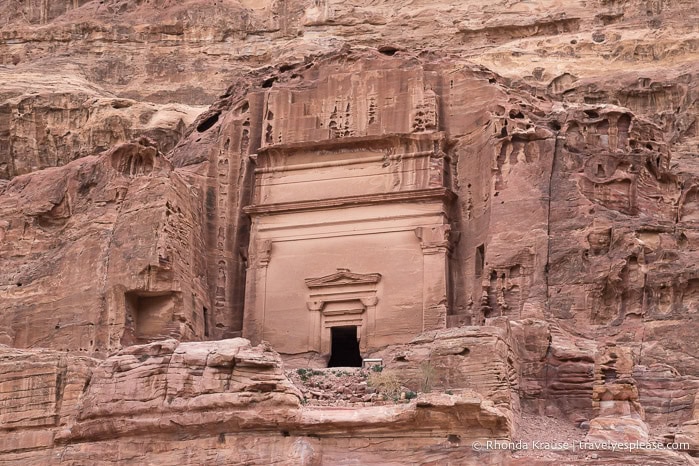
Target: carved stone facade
[(349, 232)]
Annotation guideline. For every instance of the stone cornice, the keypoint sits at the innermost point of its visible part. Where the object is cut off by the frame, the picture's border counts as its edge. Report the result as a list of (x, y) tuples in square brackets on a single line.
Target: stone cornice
[(383, 141), (429, 194)]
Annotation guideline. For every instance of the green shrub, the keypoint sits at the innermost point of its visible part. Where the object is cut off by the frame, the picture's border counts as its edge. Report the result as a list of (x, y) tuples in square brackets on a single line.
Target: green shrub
[(303, 374)]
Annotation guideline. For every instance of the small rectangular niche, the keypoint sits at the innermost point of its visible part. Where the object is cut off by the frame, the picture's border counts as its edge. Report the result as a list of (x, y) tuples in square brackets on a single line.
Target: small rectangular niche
[(206, 321), (149, 316), (480, 260)]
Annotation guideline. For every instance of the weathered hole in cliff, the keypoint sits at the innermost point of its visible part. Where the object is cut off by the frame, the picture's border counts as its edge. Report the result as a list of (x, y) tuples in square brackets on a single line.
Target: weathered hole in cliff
[(86, 385), (598, 37), (121, 104), (262, 387), (591, 113), (609, 18), (208, 123), (453, 438), (388, 50), (608, 375), (268, 82)]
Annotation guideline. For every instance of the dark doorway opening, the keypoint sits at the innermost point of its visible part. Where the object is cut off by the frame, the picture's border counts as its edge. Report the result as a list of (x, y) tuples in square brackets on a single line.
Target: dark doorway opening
[(344, 349)]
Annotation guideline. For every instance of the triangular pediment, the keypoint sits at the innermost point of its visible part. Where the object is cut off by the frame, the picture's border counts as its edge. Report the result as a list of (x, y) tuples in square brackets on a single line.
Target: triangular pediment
[(343, 277)]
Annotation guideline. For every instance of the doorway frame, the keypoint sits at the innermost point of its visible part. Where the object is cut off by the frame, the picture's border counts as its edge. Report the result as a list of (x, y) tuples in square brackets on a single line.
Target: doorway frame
[(342, 299)]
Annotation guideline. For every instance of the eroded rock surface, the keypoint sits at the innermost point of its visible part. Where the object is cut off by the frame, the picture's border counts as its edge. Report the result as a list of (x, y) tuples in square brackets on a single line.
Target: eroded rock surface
[(117, 233), (212, 398), (48, 121)]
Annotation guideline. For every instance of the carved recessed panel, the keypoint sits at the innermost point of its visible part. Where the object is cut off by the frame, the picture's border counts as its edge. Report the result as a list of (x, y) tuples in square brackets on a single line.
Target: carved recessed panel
[(349, 104)]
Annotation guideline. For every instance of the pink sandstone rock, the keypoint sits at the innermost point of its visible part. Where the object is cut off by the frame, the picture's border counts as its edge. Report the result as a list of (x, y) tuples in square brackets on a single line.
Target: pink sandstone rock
[(218, 392), (500, 199)]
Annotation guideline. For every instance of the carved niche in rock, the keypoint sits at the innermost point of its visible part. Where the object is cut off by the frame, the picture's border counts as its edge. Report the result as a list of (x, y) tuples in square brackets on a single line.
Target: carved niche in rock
[(149, 316), (138, 158)]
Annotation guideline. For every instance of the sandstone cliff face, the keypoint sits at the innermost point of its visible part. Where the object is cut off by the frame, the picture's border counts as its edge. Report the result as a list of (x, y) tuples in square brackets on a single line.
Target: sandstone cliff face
[(118, 234), (50, 121), (573, 137), (189, 53), (220, 401)]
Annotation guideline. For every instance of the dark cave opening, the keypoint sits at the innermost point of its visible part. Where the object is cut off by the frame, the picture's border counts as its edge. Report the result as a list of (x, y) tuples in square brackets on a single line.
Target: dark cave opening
[(344, 349)]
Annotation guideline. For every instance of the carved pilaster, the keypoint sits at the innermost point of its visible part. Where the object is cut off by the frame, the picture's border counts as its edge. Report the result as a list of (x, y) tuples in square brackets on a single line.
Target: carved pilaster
[(255, 290), (434, 239), (438, 164), (315, 305), (264, 252), (435, 243), (369, 301)]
